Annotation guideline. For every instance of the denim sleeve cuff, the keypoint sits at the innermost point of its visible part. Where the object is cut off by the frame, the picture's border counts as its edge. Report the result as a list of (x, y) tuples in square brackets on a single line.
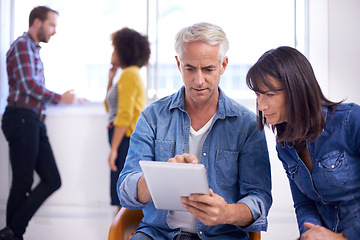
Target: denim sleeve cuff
[(127, 191), (258, 212)]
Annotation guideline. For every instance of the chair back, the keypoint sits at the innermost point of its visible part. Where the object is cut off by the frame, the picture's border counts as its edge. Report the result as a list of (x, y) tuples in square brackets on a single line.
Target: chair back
[(124, 224)]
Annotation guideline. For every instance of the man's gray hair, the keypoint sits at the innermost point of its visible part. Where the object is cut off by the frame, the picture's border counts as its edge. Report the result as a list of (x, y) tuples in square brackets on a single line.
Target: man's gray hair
[(205, 32)]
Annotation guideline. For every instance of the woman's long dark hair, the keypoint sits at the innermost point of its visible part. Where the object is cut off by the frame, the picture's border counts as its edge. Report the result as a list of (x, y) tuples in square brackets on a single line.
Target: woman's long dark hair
[(304, 97)]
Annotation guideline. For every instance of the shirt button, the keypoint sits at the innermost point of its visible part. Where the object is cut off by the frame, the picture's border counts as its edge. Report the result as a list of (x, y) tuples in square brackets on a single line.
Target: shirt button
[(200, 232), (183, 149), (204, 154), (333, 166)]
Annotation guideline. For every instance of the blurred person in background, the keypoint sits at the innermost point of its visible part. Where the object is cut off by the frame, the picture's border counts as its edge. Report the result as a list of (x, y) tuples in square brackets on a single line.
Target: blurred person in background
[(125, 99), (24, 127)]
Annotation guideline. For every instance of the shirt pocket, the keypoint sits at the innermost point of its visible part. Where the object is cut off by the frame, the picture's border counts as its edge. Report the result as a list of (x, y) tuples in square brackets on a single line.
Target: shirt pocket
[(334, 168), (164, 149), (226, 168)]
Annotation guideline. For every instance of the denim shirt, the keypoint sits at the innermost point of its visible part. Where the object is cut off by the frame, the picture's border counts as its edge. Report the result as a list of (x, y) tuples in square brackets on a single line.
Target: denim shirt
[(234, 153), (330, 195)]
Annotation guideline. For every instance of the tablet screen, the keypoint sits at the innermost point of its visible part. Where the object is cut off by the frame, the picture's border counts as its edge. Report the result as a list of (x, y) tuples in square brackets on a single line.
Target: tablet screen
[(168, 182)]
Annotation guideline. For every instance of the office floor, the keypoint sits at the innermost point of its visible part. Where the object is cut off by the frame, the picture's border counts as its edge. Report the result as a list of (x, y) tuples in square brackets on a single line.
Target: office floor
[(92, 223), (70, 223)]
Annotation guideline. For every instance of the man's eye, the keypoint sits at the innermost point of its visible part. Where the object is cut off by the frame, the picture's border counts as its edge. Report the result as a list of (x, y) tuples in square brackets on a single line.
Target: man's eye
[(189, 69), (270, 94)]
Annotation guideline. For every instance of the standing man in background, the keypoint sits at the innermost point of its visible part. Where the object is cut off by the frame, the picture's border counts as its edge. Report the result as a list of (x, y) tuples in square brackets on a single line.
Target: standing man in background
[(23, 124)]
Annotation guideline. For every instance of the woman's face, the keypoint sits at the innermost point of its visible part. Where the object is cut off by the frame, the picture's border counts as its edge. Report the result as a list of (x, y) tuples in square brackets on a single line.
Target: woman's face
[(114, 59), (272, 103)]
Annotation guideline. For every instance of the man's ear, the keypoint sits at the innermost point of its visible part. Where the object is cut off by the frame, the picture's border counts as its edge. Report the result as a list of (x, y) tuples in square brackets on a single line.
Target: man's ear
[(224, 64), (178, 62), (37, 23)]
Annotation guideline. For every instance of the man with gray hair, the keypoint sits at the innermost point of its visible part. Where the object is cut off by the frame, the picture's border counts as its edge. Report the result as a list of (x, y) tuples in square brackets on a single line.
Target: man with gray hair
[(200, 124)]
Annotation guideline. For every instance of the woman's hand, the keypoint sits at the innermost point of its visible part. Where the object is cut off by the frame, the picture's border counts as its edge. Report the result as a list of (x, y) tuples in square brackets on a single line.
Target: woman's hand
[(316, 232), (112, 160)]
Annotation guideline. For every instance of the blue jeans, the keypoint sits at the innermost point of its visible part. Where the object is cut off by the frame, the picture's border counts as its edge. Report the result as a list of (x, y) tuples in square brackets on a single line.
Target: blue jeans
[(181, 236), (30, 152)]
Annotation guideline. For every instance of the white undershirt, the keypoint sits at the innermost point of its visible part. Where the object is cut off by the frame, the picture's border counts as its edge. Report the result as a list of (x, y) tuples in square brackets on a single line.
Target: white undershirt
[(184, 219)]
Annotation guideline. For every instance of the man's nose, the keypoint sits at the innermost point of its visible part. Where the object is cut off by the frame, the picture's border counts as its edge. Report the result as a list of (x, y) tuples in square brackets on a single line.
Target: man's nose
[(199, 76)]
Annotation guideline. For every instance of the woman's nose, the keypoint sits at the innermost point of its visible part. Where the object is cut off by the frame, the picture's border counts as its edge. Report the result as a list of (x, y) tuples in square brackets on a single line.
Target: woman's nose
[(262, 104)]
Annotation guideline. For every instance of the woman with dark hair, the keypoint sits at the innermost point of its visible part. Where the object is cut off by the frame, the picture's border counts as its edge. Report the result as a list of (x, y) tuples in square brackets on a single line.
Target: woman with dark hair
[(125, 99), (318, 142)]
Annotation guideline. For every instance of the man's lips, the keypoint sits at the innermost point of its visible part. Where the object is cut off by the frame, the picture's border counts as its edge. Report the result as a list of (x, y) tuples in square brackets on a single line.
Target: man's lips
[(199, 89)]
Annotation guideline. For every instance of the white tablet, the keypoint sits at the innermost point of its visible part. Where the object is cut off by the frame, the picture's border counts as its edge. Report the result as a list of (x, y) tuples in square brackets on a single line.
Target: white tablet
[(168, 182)]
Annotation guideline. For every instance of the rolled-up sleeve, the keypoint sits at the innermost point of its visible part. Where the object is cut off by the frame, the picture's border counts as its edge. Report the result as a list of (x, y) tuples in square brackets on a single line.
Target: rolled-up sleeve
[(127, 191)]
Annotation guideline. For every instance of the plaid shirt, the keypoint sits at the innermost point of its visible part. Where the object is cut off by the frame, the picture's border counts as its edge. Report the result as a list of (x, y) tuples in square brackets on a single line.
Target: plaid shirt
[(26, 74)]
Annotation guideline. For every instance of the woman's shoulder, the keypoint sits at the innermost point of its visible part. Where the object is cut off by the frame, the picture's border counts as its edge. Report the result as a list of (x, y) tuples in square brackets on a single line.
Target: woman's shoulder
[(343, 113)]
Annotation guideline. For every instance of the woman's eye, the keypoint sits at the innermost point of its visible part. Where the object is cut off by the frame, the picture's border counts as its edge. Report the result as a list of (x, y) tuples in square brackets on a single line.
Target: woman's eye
[(270, 94)]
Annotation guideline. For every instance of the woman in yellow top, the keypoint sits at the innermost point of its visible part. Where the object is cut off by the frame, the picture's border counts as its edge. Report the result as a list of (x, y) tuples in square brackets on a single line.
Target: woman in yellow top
[(125, 99)]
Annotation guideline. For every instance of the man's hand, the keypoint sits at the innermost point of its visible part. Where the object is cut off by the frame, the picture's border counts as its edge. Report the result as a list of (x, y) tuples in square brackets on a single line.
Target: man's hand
[(185, 158), (209, 209), (316, 232), (68, 97), (213, 210)]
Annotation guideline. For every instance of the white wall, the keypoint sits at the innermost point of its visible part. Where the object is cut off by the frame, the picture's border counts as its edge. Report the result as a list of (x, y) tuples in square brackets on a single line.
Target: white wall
[(78, 136), (344, 50)]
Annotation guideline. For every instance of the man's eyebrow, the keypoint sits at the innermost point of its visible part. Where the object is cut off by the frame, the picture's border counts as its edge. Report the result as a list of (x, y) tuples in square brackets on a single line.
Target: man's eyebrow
[(210, 66)]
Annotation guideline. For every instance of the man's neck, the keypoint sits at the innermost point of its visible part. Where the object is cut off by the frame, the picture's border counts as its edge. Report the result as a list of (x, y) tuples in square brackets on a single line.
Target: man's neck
[(32, 33), (201, 114)]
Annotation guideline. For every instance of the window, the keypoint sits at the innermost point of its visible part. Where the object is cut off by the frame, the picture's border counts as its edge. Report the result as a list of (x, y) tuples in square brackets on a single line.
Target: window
[(78, 56), (252, 27)]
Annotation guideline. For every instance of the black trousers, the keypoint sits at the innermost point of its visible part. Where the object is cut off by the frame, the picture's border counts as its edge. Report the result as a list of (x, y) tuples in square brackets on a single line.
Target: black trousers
[(30, 152)]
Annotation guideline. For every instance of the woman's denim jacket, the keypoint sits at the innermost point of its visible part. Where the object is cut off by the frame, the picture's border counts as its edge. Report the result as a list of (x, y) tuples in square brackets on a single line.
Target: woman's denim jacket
[(330, 195), (234, 153)]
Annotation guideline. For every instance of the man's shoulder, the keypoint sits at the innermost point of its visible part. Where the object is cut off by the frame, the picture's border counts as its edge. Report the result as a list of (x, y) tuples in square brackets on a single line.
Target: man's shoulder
[(20, 43), (161, 104), (232, 107)]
